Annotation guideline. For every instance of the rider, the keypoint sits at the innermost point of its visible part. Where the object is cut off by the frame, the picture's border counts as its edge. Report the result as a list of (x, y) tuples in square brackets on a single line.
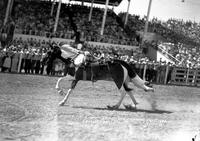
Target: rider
[(79, 43), (79, 39)]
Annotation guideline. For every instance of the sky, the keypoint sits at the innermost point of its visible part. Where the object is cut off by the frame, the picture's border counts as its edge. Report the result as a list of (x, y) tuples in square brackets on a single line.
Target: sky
[(164, 9)]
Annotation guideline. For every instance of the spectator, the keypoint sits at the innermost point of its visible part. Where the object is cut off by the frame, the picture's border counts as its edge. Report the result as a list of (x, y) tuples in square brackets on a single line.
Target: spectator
[(7, 62)]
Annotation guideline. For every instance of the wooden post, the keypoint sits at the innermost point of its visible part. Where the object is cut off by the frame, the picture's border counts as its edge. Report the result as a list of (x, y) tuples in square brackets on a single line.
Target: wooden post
[(104, 17), (57, 16), (20, 61), (84, 75), (194, 77), (147, 21), (52, 7), (11, 7), (144, 72), (166, 74), (187, 75), (7, 12), (91, 9), (126, 19)]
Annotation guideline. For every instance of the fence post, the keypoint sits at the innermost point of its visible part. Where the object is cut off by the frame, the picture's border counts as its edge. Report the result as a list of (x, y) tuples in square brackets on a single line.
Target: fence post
[(144, 72), (19, 64), (188, 71), (166, 74), (197, 79), (194, 77)]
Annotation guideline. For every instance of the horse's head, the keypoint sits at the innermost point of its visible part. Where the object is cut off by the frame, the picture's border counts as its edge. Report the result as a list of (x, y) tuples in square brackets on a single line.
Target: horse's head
[(53, 53), (56, 53)]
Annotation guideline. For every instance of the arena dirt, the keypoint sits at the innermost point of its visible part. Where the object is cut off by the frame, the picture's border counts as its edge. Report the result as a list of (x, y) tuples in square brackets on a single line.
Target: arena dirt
[(29, 111)]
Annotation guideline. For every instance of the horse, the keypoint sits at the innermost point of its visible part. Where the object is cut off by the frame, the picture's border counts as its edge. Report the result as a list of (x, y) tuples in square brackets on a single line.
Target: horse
[(116, 70)]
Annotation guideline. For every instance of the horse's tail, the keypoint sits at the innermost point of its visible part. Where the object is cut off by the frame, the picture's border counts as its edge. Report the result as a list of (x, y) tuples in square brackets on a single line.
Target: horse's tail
[(137, 81), (134, 78)]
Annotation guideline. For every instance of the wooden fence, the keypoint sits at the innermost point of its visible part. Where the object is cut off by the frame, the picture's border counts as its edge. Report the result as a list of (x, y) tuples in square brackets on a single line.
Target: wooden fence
[(185, 76)]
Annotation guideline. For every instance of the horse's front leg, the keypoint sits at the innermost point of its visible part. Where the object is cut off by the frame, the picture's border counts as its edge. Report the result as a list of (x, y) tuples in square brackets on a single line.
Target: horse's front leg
[(65, 98), (60, 91), (129, 92), (74, 82), (116, 106), (130, 107)]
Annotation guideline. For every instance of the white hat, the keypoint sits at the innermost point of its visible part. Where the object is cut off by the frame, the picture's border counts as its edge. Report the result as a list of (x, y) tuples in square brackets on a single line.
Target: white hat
[(79, 46)]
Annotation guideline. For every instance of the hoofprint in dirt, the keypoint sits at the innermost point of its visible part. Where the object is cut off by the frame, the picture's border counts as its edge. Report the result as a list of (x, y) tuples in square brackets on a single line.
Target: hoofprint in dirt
[(29, 111)]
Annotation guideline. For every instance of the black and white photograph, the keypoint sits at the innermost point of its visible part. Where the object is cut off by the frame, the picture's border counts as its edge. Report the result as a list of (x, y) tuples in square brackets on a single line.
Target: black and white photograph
[(99, 70)]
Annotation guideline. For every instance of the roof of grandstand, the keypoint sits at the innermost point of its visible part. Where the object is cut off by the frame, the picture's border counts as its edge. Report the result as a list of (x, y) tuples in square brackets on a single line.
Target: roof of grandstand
[(111, 2)]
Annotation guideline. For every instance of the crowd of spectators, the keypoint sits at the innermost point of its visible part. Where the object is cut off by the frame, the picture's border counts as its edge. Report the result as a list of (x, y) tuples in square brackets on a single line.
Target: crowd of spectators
[(34, 51), (180, 38), (33, 18), (33, 54)]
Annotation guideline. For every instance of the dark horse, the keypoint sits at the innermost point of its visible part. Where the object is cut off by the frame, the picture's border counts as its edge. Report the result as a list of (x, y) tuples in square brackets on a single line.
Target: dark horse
[(81, 69)]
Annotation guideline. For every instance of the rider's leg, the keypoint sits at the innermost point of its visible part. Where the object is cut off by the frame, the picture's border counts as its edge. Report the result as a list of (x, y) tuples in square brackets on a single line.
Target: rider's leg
[(116, 106)]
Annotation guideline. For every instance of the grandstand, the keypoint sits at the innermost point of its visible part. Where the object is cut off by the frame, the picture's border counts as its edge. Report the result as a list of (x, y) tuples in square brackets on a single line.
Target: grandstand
[(35, 23)]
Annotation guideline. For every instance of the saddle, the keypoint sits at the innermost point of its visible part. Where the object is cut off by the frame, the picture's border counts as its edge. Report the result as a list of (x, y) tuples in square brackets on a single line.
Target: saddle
[(95, 69), (89, 63), (96, 66)]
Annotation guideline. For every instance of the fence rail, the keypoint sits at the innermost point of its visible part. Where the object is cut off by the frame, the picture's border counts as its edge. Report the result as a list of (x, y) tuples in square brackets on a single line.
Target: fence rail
[(185, 76)]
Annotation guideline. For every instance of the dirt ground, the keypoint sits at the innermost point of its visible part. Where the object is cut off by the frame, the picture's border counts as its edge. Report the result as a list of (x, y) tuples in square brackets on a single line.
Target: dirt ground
[(29, 111)]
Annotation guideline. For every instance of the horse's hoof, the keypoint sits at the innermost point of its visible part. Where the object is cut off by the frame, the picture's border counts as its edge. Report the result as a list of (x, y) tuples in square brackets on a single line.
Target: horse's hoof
[(112, 107), (61, 92), (61, 103), (130, 107), (152, 90)]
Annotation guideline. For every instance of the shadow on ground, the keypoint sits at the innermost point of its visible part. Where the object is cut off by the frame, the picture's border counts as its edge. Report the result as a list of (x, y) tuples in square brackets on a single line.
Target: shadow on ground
[(156, 111)]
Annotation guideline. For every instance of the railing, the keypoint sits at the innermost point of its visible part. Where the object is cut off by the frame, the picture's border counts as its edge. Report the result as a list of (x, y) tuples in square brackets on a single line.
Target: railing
[(165, 74), (186, 76), (168, 55)]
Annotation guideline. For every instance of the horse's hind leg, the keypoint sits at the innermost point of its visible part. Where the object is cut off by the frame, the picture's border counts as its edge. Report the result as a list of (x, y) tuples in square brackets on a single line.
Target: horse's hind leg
[(129, 92), (73, 85), (116, 106), (137, 81), (132, 98)]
